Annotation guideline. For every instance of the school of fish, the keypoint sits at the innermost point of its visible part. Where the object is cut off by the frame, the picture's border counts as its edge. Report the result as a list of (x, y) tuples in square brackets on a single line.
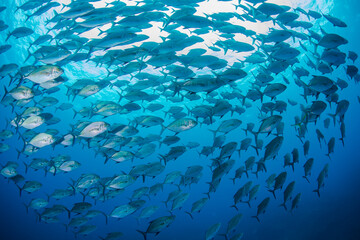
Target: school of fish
[(150, 99)]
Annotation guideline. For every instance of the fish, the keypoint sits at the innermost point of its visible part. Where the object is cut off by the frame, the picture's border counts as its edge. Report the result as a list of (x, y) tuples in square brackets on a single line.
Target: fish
[(212, 231), (287, 193), (252, 194), (197, 206), (342, 131), (93, 129), (20, 32), (148, 211), (86, 230), (341, 108), (331, 146), (157, 225), (36, 203), (179, 201), (109, 94), (279, 182), (41, 140), (306, 147), (45, 73), (227, 126), (122, 211), (112, 236), (295, 201), (30, 187), (9, 170), (261, 209), (232, 223), (321, 178), (335, 21), (180, 125), (320, 83), (121, 181), (272, 148), (307, 168), (268, 125)]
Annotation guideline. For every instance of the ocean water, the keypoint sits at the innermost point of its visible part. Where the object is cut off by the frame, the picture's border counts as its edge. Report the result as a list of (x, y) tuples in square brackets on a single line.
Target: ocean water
[(333, 215)]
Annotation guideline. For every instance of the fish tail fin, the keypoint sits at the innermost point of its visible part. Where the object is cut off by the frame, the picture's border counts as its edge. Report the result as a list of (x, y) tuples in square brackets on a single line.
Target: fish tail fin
[(165, 202), (108, 72), (333, 117), (257, 218), (20, 189), (256, 149), (214, 132), (63, 6), (5, 93), (207, 194), (38, 215), (317, 191), (306, 179), (7, 123), (19, 152), (137, 220), (273, 192), (69, 212), (8, 36), (283, 205), (75, 234), (106, 158), (198, 153), (255, 136), (162, 129), (22, 150), (342, 140), (27, 207), (26, 167), (27, 17), (48, 197), (143, 178), (166, 22), (106, 217), (66, 227), (55, 169), (29, 54), (142, 105), (243, 100), (72, 185), (234, 206), (75, 113), (142, 233), (190, 215), (83, 195), (224, 235), (162, 157), (274, 22)]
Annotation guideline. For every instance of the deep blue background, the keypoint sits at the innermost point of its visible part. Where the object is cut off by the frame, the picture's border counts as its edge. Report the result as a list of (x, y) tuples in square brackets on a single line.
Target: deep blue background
[(333, 216)]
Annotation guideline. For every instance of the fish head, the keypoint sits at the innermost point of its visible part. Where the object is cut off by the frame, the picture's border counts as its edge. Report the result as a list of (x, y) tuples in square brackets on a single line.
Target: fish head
[(56, 71)]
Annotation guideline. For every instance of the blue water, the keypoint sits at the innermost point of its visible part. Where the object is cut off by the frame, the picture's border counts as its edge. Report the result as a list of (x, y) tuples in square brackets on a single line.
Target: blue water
[(332, 216)]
